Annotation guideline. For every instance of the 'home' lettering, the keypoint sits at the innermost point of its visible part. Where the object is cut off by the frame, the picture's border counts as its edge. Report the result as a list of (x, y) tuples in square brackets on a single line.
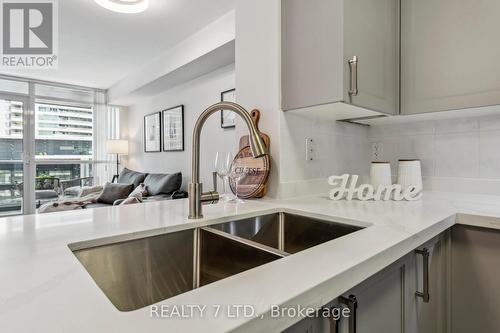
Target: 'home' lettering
[(343, 189)]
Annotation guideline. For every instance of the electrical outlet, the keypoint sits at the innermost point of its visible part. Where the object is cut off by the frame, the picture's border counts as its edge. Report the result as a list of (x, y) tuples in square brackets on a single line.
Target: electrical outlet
[(310, 149), (377, 151)]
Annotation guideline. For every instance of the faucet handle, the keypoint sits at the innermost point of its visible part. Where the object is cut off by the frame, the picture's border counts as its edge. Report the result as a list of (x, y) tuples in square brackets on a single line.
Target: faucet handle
[(211, 197)]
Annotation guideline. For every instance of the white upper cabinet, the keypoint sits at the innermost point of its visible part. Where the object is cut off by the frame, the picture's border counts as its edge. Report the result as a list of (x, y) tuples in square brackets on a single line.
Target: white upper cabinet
[(321, 37), (449, 54), (371, 33), (411, 56)]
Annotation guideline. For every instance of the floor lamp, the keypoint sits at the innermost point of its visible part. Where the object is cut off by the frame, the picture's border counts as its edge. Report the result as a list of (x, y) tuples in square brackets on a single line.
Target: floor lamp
[(117, 147)]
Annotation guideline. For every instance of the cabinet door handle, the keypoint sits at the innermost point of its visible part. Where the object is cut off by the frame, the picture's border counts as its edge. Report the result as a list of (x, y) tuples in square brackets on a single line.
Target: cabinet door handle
[(425, 259), (352, 304), (353, 66)]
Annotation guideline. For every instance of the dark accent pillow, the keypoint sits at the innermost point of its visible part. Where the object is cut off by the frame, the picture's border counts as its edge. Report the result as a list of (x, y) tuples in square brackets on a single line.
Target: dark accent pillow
[(128, 176), (162, 183), (112, 192)]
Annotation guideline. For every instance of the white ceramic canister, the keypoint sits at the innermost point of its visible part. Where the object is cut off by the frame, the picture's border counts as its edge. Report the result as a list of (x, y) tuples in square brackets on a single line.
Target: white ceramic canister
[(380, 174), (410, 174)]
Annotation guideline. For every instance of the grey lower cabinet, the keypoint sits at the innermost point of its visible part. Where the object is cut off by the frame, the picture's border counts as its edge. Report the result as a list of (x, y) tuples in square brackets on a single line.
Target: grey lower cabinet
[(387, 301), (429, 277), (449, 57), (475, 280), (341, 51), (380, 302)]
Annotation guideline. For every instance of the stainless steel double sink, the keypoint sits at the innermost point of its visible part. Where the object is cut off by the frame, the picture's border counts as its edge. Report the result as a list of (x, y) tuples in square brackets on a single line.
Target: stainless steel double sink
[(141, 272)]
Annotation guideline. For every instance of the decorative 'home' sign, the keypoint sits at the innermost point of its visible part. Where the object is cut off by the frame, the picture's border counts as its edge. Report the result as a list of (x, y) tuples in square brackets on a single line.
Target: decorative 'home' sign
[(345, 190)]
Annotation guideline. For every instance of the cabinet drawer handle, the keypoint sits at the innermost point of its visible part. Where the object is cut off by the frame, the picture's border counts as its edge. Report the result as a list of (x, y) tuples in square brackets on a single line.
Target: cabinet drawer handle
[(353, 66), (352, 304), (425, 258)]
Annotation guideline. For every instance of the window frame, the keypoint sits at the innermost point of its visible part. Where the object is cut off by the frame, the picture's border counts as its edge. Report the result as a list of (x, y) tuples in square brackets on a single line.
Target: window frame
[(30, 161)]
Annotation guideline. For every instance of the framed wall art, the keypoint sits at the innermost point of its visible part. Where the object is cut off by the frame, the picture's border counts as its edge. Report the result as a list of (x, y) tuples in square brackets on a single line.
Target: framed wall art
[(152, 133), (228, 118), (173, 128)]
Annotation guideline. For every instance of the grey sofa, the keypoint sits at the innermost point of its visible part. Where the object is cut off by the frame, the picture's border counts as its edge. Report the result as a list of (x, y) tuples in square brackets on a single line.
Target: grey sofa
[(159, 186)]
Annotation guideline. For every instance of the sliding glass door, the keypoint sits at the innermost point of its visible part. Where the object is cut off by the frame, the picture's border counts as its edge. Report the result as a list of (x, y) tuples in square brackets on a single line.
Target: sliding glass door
[(15, 159), (46, 144), (52, 139), (64, 146)]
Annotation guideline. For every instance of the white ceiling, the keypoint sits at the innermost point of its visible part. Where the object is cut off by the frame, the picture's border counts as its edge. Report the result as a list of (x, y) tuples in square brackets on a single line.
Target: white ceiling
[(98, 47)]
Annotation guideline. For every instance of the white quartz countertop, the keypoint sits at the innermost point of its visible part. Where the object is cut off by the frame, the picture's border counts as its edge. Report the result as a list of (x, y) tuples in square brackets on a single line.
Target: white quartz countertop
[(44, 288)]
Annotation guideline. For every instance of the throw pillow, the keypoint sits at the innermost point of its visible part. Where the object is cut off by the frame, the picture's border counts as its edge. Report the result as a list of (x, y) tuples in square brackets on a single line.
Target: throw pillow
[(163, 183), (73, 191), (89, 190), (128, 176), (139, 192), (112, 192)]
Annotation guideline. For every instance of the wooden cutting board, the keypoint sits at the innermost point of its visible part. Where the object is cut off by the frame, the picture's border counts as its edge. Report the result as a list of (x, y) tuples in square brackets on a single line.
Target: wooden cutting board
[(254, 171)]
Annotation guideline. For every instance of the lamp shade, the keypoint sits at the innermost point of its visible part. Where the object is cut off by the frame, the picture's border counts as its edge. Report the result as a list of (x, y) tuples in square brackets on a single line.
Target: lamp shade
[(117, 147)]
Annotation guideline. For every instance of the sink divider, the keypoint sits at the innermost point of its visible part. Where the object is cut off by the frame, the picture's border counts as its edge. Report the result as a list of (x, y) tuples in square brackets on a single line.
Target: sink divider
[(248, 242), (281, 231), (196, 258)]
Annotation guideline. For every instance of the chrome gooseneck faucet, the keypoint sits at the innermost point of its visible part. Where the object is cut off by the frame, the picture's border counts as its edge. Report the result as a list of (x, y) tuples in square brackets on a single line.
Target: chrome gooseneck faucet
[(196, 195)]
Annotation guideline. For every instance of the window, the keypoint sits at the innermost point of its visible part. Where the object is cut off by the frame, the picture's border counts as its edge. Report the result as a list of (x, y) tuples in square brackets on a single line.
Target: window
[(58, 146), (63, 132), (64, 172), (14, 86), (11, 130), (57, 92), (11, 154)]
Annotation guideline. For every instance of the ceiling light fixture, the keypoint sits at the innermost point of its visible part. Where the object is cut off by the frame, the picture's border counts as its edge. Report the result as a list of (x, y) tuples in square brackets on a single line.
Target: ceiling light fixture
[(124, 6)]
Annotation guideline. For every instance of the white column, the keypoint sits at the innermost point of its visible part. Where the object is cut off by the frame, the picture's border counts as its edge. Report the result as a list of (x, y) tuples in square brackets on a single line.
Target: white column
[(258, 40)]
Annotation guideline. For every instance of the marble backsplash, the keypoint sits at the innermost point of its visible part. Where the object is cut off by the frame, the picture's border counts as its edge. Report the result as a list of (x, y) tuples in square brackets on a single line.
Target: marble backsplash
[(457, 154)]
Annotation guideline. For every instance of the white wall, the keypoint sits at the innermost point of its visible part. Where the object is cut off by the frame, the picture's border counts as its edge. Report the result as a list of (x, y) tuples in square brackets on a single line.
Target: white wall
[(258, 70), (196, 96), (457, 154), (338, 148)]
